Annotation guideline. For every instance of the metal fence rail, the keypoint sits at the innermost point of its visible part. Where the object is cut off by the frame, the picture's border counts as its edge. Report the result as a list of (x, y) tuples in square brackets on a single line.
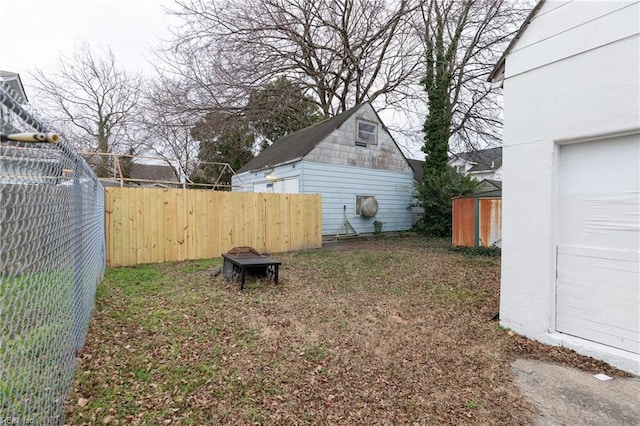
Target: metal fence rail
[(52, 256)]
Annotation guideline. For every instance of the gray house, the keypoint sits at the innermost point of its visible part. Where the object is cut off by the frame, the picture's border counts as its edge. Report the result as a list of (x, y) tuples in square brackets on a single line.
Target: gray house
[(351, 160), (11, 82)]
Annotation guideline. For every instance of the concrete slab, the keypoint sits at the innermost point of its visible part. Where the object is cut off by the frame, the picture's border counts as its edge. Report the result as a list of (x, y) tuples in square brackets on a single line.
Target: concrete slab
[(567, 396)]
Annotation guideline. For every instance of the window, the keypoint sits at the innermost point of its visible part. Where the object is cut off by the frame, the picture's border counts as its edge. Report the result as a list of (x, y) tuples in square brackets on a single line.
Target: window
[(367, 133)]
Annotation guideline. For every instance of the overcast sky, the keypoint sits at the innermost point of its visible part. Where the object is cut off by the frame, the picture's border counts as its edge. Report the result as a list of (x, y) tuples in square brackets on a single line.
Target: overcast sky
[(36, 32)]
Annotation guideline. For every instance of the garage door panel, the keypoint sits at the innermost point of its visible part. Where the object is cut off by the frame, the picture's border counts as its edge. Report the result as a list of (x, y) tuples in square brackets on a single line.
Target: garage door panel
[(591, 254), (598, 293), (609, 339), (624, 315), (600, 220), (601, 321)]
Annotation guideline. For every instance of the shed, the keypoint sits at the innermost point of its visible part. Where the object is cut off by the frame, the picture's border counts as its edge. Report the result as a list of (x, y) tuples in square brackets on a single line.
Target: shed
[(477, 219), (351, 160), (571, 146)]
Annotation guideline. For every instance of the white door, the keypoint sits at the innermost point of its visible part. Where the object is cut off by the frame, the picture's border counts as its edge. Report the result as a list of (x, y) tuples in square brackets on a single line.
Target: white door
[(287, 186), (263, 187), (598, 253)]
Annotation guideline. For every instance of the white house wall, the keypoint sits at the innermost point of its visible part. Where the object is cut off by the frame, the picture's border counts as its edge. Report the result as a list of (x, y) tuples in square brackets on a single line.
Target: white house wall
[(339, 186), (574, 76)]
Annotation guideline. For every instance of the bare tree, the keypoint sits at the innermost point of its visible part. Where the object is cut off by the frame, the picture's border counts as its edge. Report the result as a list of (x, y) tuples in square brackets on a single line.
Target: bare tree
[(94, 100), (340, 52), (463, 41), (165, 127)]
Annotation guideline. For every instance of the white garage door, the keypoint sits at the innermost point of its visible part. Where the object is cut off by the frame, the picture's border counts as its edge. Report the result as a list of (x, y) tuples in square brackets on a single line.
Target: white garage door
[(598, 263)]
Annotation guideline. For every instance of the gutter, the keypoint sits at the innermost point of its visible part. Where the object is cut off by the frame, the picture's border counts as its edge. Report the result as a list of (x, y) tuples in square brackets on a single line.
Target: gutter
[(271, 166)]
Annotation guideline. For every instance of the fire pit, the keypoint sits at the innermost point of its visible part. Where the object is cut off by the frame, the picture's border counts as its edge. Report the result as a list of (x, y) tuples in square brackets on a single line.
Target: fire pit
[(240, 261)]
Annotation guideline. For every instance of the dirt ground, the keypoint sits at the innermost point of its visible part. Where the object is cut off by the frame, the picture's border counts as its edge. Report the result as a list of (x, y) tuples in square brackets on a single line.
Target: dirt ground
[(387, 331)]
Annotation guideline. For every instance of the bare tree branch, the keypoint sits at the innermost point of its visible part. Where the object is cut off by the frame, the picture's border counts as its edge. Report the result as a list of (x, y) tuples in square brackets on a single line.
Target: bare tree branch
[(341, 52), (94, 96)]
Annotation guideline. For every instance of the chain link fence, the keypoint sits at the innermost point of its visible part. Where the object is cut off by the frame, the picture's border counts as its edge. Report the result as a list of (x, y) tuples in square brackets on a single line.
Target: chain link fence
[(52, 256)]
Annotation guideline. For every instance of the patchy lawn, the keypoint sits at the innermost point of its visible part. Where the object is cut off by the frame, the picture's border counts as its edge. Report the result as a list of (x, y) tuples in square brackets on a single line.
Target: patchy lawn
[(388, 331)]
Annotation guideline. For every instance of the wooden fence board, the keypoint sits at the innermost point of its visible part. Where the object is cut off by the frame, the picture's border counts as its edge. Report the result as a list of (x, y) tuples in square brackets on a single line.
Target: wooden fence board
[(149, 225)]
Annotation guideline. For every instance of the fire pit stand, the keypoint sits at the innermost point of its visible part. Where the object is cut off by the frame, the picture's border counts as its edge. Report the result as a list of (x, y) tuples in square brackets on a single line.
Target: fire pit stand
[(240, 262)]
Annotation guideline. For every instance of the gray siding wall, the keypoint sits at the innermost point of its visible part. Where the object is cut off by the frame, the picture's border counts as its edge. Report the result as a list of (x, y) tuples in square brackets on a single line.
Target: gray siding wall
[(339, 186), (340, 148)]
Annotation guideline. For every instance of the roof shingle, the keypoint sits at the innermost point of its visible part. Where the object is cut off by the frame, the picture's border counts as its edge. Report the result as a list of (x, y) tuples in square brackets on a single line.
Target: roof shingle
[(298, 144)]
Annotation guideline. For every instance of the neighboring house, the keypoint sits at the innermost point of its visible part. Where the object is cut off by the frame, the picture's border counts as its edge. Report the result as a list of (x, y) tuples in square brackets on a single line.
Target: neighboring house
[(20, 163), (571, 217), (146, 175), (153, 174), (481, 164), (351, 160), (11, 80)]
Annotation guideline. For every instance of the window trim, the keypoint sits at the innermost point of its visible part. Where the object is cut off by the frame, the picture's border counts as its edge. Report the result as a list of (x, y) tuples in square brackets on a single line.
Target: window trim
[(367, 142)]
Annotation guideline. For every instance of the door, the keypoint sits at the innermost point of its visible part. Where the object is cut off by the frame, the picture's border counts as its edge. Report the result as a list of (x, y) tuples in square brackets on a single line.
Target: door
[(598, 252), (287, 186)]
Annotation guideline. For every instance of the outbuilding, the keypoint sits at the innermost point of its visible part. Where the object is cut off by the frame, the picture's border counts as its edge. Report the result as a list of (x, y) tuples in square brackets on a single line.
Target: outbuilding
[(571, 202), (351, 160)]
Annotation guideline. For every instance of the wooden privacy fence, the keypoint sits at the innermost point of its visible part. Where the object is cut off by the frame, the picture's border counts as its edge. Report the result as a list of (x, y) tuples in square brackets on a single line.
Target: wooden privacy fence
[(148, 225)]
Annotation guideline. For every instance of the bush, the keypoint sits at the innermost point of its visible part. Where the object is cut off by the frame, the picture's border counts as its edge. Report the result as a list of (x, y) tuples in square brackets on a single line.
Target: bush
[(377, 227), (435, 193), (493, 251)]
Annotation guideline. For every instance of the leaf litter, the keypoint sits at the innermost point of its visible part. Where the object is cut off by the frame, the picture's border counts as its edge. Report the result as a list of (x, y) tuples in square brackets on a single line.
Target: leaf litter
[(378, 332)]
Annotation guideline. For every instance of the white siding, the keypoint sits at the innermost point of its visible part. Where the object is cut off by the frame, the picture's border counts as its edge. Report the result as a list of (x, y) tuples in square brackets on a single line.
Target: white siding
[(259, 181), (339, 186), (572, 29), (573, 76)]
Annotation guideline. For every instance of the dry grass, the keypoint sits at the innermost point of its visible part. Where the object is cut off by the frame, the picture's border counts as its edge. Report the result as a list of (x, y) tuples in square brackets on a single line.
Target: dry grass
[(389, 331)]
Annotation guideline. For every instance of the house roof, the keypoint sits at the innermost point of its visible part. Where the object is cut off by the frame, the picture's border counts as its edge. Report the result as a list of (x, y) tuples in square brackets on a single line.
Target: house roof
[(485, 159), (418, 171), (298, 144), (488, 185), (496, 183), (152, 172), (500, 64)]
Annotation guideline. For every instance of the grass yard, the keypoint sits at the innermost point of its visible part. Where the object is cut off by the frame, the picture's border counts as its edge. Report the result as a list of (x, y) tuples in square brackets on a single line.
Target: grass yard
[(387, 331)]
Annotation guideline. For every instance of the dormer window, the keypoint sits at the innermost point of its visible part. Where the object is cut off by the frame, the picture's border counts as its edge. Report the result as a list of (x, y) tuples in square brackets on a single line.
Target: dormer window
[(367, 133)]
